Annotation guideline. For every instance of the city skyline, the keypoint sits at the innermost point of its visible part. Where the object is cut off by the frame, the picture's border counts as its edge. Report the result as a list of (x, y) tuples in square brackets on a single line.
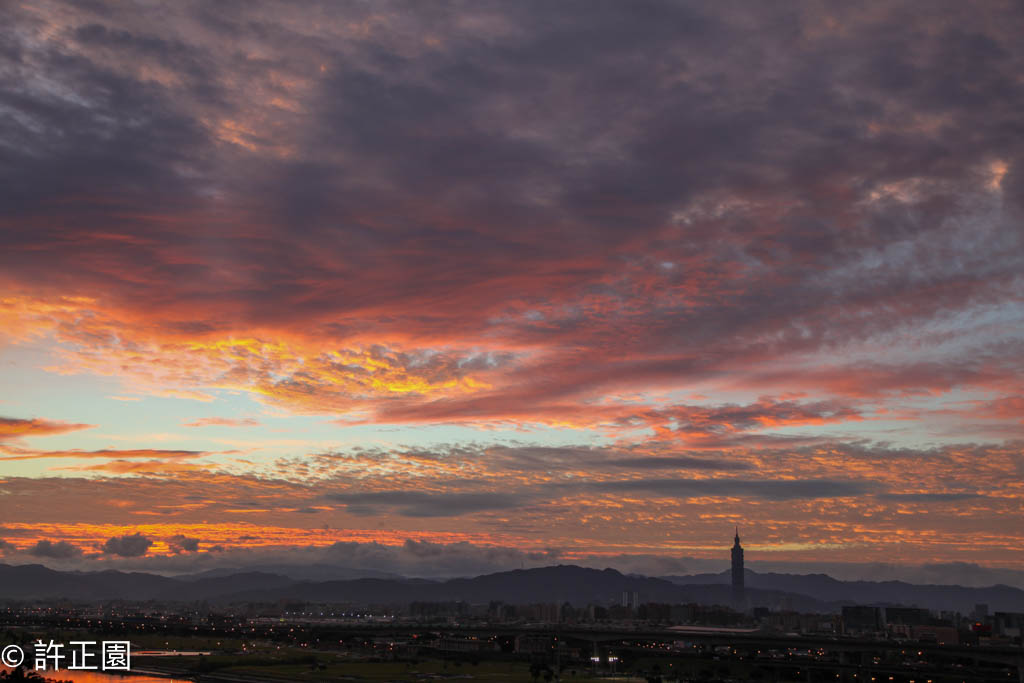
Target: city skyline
[(472, 287)]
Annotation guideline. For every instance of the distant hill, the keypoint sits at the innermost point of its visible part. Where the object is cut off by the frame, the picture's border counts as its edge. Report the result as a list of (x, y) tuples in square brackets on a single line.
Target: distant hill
[(824, 588), (215, 587), (564, 583), (36, 581)]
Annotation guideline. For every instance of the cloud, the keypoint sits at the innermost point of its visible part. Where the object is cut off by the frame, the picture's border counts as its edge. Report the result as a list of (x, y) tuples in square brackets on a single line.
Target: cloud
[(458, 504), (159, 467), (930, 497), (770, 255), (421, 504), (222, 422), (133, 545), (181, 543), (770, 219), (61, 550), (25, 454), (15, 428), (425, 558), (678, 463), (848, 497), (777, 490)]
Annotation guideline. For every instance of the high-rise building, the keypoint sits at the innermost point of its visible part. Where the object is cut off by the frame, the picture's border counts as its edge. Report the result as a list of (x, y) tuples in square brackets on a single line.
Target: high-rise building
[(738, 593)]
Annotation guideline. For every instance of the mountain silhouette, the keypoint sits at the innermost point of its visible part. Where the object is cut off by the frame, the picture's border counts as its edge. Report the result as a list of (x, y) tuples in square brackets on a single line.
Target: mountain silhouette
[(578, 586)]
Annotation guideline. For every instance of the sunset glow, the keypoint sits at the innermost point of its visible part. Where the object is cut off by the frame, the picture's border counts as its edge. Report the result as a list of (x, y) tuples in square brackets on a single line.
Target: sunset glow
[(442, 289)]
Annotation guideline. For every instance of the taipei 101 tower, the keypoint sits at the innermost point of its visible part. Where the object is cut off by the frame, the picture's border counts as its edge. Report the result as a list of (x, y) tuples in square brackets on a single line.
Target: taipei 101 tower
[(738, 596)]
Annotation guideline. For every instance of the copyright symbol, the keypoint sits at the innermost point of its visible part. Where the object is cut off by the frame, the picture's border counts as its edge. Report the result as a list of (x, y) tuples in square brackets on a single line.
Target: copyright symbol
[(12, 656)]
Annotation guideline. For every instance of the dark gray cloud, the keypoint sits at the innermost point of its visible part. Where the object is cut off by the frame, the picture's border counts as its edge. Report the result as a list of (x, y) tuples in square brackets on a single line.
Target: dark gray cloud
[(765, 489), (130, 545), (458, 503), (929, 497), (680, 462), (423, 504), (61, 550), (536, 137), (181, 543), (425, 558)]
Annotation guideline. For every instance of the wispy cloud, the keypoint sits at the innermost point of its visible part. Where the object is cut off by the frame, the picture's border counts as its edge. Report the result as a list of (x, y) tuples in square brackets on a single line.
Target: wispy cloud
[(743, 263), (222, 422), (11, 428)]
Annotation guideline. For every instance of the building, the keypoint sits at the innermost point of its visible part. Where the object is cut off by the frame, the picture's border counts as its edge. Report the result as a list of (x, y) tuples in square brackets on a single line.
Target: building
[(739, 597), (862, 619), (907, 616), (943, 635), (1008, 624)]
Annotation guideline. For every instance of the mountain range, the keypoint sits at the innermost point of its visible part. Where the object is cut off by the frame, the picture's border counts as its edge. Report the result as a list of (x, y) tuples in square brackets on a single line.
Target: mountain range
[(563, 583)]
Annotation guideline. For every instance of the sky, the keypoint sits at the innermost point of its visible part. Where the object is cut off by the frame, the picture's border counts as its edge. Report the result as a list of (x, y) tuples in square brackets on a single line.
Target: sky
[(439, 288)]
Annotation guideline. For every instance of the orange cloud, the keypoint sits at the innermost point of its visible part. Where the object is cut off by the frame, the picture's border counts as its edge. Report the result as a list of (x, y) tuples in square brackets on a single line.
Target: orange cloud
[(24, 454), (222, 422), (334, 235), (15, 428)]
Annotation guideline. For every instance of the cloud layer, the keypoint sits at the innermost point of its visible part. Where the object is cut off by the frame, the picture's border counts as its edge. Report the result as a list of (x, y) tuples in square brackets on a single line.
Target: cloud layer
[(698, 257)]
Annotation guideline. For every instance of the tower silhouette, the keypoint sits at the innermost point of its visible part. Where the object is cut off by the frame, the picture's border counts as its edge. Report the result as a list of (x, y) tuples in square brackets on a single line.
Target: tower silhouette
[(738, 593)]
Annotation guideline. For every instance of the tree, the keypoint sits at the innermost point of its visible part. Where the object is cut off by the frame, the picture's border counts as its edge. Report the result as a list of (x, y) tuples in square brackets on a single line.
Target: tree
[(19, 673)]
